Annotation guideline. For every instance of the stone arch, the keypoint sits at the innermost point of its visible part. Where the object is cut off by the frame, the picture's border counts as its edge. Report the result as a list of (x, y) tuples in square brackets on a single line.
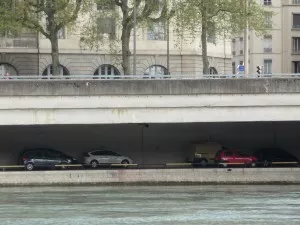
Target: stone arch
[(112, 60), (62, 70), (105, 71), (212, 70), (46, 60), (156, 71), (9, 69), (144, 62)]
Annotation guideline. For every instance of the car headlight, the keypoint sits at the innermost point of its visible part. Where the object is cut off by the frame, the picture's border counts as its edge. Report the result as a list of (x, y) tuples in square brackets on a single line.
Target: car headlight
[(69, 160)]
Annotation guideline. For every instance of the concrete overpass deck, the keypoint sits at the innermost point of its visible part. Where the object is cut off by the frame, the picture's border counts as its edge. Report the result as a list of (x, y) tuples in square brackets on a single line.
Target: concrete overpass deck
[(148, 101)]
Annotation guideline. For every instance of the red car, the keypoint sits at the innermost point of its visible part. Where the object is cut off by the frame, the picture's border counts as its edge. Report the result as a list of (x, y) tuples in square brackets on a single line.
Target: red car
[(226, 157)]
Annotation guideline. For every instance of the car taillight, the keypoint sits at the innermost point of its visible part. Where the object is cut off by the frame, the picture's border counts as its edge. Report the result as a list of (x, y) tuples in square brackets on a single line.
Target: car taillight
[(24, 158)]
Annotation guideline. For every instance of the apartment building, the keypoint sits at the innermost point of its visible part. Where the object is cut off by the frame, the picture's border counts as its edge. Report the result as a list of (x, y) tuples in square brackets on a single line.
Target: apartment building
[(279, 51), (29, 54)]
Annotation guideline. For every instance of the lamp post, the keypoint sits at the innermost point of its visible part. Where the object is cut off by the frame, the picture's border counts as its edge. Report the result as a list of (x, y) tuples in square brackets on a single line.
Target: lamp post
[(246, 43)]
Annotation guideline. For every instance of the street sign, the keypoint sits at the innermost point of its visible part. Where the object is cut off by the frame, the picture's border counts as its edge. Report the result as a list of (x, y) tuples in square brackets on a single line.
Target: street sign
[(241, 68)]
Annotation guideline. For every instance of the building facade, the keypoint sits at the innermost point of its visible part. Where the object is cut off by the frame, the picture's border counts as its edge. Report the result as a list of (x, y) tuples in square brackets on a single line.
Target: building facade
[(279, 51), (29, 54)]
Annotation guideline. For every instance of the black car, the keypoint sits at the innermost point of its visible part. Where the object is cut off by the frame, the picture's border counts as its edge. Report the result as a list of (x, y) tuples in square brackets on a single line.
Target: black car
[(275, 156), (44, 158)]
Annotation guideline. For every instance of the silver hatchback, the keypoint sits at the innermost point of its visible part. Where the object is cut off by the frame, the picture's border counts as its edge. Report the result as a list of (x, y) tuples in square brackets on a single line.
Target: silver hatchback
[(95, 158)]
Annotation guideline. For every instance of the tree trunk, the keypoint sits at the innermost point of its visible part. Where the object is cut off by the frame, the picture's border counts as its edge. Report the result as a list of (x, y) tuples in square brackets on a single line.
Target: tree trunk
[(54, 54), (204, 43), (125, 49)]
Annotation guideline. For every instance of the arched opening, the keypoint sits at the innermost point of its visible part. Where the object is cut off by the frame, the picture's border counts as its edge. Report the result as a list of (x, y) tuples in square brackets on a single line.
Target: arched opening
[(62, 71), (7, 69), (156, 71), (212, 70), (106, 71)]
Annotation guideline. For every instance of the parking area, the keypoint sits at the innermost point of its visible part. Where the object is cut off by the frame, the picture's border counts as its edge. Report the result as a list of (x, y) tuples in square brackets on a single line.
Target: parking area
[(148, 145)]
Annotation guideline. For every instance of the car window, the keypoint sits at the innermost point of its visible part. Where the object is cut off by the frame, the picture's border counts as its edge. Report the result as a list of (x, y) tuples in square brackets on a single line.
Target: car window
[(98, 153), (34, 154), (228, 153), (39, 154), (241, 154), (112, 153), (51, 154)]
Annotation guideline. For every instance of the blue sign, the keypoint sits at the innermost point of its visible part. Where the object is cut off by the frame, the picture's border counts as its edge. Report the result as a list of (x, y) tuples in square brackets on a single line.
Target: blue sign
[(241, 68)]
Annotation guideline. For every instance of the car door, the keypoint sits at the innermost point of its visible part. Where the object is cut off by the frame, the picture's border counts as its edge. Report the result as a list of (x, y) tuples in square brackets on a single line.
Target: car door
[(228, 156), (52, 158), (113, 157), (241, 157), (101, 157), (37, 157)]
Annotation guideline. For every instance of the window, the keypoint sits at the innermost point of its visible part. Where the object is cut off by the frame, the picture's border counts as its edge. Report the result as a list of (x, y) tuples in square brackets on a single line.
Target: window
[(241, 39), (107, 26), (112, 153), (296, 2), (98, 153), (51, 154), (267, 2), (105, 5), (156, 31), (241, 63), (106, 70), (49, 70), (268, 19), (156, 71), (228, 153), (267, 66), (267, 43), (241, 52), (296, 20), (233, 53), (233, 40), (7, 69), (296, 44), (212, 70), (211, 32), (61, 34)]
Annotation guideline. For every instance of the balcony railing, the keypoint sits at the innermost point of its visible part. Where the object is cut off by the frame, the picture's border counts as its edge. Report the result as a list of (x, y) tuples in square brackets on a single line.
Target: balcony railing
[(267, 50)]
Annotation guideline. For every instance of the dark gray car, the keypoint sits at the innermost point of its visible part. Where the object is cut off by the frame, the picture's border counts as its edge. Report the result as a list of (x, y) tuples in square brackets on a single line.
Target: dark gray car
[(44, 158)]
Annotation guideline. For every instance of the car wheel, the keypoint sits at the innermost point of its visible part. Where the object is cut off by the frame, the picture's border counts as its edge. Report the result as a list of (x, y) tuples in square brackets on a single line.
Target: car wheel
[(94, 164), (266, 163), (29, 166), (203, 163), (125, 161)]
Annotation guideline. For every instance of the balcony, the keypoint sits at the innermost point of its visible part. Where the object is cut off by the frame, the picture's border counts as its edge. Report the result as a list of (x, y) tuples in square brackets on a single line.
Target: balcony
[(267, 50)]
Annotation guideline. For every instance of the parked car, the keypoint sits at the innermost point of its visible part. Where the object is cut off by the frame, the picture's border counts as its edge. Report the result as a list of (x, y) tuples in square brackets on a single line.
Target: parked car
[(94, 158), (226, 156), (44, 158), (203, 153), (267, 156)]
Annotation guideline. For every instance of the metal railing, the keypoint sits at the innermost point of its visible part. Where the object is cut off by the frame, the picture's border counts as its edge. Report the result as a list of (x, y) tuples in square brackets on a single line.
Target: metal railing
[(161, 165), (4, 78)]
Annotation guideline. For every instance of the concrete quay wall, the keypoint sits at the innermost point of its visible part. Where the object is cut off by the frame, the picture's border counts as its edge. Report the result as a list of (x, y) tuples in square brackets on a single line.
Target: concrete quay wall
[(153, 176)]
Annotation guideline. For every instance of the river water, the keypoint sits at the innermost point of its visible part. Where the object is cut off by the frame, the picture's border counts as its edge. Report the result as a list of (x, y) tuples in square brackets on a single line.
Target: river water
[(265, 205)]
